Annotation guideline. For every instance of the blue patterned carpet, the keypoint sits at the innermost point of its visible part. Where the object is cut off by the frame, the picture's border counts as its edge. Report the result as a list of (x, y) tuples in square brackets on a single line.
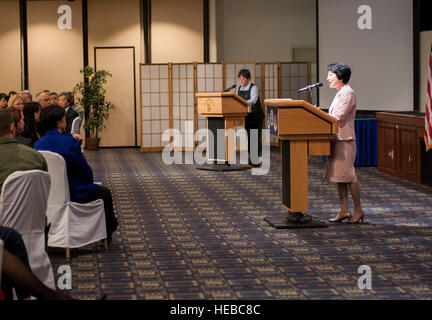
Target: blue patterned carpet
[(193, 234)]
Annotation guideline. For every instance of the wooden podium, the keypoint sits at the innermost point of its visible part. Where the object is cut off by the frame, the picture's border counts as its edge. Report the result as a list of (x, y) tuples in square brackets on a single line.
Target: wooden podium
[(223, 111), (303, 130)]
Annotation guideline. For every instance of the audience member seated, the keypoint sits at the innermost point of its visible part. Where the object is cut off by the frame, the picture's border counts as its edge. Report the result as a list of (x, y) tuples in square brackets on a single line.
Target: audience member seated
[(19, 125), (31, 118), (79, 173), (65, 101), (43, 98), (10, 94), (53, 98), (15, 156), (76, 106), (14, 243), (26, 96), (3, 100), (16, 101)]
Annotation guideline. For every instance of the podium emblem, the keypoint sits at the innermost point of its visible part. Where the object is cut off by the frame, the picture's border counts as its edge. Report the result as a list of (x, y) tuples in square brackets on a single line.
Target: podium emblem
[(209, 105)]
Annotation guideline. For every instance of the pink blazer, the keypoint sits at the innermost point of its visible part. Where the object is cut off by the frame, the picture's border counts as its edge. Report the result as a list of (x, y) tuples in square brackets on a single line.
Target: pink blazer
[(343, 108)]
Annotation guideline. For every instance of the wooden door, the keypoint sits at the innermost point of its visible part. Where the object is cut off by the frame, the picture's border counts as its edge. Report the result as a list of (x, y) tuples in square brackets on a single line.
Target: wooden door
[(407, 158), (387, 147)]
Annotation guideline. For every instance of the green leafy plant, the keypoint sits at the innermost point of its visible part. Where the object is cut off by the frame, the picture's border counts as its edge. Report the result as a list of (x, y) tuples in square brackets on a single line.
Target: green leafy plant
[(91, 95)]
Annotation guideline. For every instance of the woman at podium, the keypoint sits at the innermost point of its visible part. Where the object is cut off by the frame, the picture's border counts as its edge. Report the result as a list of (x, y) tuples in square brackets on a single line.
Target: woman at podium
[(340, 164), (249, 92)]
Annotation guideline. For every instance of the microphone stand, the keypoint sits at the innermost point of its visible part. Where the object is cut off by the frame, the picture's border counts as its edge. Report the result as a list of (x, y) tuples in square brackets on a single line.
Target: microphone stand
[(310, 92)]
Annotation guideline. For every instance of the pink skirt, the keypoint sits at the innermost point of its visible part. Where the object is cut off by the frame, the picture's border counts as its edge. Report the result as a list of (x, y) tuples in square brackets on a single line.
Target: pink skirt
[(340, 163)]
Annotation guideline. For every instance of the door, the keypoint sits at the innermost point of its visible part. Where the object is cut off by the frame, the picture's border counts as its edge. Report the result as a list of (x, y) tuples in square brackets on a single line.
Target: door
[(120, 90), (408, 152), (387, 149)]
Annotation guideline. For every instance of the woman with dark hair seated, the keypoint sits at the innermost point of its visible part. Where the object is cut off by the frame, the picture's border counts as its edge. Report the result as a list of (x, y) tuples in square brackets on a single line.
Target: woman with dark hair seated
[(340, 164), (80, 175), (31, 113)]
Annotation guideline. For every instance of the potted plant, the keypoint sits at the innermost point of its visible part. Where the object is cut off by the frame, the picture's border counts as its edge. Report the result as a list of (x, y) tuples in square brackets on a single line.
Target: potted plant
[(91, 95)]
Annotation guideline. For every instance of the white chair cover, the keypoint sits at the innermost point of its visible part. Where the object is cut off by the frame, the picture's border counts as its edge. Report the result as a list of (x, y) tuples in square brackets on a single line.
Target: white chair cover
[(23, 205), (73, 224), (76, 126)]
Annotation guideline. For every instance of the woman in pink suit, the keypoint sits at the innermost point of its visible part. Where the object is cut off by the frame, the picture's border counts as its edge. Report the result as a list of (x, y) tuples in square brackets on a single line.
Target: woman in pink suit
[(340, 164)]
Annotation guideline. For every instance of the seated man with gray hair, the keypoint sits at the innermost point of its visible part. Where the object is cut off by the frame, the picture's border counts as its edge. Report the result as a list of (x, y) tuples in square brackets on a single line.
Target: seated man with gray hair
[(26, 96), (43, 98)]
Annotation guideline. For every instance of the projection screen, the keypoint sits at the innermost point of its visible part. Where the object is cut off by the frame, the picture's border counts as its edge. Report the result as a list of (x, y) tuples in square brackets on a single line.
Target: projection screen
[(374, 37)]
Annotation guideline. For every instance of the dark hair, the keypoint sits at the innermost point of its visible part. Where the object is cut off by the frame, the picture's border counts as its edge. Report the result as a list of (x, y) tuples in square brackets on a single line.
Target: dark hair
[(341, 70), (10, 94), (49, 117), (4, 95), (53, 93), (30, 124), (17, 115), (244, 73), (6, 118)]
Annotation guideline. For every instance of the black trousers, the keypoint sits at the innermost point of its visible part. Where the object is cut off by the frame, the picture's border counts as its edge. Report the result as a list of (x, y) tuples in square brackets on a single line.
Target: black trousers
[(110, 219), (254, 123)]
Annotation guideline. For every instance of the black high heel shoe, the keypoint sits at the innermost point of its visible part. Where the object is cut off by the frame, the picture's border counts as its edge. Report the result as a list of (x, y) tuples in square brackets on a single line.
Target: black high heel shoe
[(358, 220), (340, 218)]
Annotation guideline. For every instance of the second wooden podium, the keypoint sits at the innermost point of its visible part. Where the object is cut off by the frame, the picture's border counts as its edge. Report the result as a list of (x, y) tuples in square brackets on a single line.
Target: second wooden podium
[(223, 111), (304, 130)]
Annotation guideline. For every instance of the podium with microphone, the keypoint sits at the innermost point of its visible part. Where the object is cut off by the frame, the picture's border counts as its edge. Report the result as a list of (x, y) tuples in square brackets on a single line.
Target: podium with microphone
[(223, 111), (303, 130)]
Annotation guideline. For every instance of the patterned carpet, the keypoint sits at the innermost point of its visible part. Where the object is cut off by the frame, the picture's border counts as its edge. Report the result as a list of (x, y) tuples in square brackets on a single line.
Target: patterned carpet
[(193, 234)]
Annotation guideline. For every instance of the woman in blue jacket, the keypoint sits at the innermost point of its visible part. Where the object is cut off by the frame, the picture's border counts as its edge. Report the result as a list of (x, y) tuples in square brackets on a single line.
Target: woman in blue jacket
[(79, 173)]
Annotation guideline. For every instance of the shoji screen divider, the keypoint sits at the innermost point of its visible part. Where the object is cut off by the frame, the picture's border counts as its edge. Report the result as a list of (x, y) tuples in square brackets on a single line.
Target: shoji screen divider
[(209, 79), (168, 93), (271, 85), (183, 103), (295, 75), (259, 72), (155, 105)]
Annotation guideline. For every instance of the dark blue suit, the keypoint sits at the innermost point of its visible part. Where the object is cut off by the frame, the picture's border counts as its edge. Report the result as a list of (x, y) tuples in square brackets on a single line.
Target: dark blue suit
[(79, 173)]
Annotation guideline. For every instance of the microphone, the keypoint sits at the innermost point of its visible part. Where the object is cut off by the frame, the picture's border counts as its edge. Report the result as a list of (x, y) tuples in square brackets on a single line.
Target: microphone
[(230, 88), (311, 86)]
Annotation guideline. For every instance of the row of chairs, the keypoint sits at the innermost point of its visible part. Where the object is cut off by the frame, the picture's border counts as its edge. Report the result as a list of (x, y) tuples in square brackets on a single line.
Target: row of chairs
[(30, 199)]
